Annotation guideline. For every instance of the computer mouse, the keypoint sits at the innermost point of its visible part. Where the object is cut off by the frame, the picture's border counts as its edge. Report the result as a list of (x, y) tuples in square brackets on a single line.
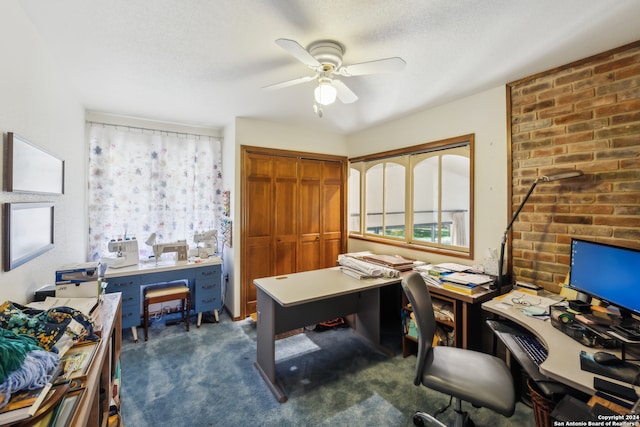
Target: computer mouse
[(604, 358)]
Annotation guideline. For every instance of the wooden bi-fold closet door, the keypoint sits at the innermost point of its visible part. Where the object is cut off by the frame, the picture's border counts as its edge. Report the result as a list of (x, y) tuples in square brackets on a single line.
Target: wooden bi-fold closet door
[(293, 215)]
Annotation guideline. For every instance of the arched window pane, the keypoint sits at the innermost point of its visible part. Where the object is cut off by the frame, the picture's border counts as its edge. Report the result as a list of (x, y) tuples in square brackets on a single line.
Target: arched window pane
[(354, 200), (425, 200), (374, 200), (394, 200), (455, 200)]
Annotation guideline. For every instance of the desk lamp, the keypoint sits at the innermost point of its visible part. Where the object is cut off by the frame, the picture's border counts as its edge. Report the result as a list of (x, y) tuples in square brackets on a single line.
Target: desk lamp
[(544, 178)]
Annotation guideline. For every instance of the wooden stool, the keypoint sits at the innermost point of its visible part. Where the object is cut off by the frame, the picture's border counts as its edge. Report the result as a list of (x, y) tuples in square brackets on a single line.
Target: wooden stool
[(154, 295)]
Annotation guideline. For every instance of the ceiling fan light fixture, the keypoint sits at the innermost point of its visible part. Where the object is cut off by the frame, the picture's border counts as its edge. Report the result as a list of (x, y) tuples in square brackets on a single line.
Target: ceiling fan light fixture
[(325, 93)]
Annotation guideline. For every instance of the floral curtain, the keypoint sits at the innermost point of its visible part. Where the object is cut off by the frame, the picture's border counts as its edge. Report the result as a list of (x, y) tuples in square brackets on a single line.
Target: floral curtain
[(143, 181)]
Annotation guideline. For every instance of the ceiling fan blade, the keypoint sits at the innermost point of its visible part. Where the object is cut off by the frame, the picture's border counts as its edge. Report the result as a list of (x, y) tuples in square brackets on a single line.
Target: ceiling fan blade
[(298, 52), (388, 65), (344, 94), (290, 83)]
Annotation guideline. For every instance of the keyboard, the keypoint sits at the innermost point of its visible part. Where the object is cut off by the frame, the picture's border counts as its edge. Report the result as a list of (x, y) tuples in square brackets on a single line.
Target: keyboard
[(533, 347)]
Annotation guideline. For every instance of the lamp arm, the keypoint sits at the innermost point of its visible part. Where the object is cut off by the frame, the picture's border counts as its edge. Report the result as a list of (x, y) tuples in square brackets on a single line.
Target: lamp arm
[(506, 232)]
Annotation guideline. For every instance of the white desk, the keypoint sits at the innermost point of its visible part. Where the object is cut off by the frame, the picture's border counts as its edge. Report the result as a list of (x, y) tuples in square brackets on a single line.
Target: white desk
[(563, 361), (300, 299)]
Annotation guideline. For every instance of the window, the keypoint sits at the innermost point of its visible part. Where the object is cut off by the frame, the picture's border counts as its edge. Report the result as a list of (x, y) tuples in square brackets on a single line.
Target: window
[(143, 181), (419, 196)]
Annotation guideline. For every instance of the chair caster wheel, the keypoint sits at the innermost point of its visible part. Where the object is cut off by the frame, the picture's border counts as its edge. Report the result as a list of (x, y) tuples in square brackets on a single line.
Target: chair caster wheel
[(418, 421)]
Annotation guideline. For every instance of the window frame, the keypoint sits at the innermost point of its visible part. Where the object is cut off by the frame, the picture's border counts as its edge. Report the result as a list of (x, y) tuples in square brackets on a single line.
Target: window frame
[(404, 156)]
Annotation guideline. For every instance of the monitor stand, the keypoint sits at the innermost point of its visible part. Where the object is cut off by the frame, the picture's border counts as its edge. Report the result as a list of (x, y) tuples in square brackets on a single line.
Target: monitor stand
[(628, 327)]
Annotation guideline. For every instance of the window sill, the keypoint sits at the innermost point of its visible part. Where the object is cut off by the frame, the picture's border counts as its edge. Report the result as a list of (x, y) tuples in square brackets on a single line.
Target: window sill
[(414, 247)]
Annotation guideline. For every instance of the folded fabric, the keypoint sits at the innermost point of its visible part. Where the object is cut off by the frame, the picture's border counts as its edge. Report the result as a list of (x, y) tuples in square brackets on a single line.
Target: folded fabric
[(46, 326)]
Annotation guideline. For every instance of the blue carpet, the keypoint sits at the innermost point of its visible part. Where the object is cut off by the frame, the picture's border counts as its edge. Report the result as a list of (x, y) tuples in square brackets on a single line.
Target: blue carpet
[(206, 377)]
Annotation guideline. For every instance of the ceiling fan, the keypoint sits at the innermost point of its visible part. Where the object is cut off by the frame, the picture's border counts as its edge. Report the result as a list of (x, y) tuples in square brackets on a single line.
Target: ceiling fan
[(325, 58)]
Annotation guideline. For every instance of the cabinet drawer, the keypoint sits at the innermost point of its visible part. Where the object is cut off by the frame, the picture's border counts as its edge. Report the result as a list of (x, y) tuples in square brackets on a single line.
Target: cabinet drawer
[(131, 299), (207, 295), (126, 285), (208, 273), (130, 317)]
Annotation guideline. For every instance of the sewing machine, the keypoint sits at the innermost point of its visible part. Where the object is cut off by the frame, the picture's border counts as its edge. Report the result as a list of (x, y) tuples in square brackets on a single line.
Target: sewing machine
[(180, 248), (126, 253), (209, 240)]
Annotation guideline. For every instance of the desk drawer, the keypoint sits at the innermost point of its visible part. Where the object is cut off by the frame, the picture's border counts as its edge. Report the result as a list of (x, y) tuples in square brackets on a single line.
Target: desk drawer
[(130, 317), (207, 295), (208, 273), (130, 288), (128, 285)]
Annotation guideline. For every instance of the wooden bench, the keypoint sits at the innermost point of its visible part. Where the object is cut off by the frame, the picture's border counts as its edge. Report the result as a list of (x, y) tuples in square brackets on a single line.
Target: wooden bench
[(164, 293)]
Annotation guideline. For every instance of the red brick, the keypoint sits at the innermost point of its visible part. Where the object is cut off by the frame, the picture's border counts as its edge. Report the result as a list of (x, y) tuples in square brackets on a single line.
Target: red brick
[(616, 131), (629, 94), (575, 97), (618, 86), (620, 107), (628, 72), (596, 81), (554, 92), (595, 102), (617, 221), (583, 142), (617, 64), (538, 87), (575, 76)]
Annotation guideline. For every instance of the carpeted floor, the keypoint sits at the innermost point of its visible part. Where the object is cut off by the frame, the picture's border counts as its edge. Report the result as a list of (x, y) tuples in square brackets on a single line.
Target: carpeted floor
[(206, 377)]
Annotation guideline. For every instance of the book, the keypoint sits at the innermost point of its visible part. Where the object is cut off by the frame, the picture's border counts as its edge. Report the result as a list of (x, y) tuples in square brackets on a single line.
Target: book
[(84, 305), (468, 278), (464, 289), (23, 404), (391, 261)]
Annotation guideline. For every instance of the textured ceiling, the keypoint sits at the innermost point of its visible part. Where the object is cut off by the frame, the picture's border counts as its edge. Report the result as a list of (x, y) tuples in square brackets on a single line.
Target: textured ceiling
[(204, 62)]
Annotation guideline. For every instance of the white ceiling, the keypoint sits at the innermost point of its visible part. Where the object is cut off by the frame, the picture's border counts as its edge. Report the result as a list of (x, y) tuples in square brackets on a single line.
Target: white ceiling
[(204, 62)]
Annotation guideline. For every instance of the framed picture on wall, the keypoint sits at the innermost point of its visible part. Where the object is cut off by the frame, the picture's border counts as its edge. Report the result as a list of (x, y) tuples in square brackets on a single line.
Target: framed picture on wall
[(27, 232), (30, 169)]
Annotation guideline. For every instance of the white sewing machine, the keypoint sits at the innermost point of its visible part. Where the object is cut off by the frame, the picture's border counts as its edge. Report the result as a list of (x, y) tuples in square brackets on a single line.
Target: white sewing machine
[(126, 253), (209, 240), (180, 248)]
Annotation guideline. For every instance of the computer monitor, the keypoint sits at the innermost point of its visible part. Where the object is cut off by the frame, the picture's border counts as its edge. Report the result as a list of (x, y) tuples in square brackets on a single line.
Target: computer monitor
[(607, 272)]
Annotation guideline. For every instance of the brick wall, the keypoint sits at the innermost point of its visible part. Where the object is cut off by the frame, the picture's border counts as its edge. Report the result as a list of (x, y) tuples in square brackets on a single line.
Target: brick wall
[(583, 116)]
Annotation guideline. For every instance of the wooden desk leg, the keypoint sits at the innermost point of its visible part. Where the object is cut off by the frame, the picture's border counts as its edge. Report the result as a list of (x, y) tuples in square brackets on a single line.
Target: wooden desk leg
[(266, 345)]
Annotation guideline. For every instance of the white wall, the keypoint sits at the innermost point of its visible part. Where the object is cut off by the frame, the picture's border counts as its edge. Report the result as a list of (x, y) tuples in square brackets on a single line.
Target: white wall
[(484, 115), (260, 133), (35, 104), (231, 296)]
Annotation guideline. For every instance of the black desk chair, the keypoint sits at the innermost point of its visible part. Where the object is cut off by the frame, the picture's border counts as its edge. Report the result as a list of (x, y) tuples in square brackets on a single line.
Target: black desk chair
[(478, 378)]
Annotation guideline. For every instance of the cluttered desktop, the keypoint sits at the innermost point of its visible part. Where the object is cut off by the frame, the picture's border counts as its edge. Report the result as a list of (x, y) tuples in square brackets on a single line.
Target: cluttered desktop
[(588, 342)]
